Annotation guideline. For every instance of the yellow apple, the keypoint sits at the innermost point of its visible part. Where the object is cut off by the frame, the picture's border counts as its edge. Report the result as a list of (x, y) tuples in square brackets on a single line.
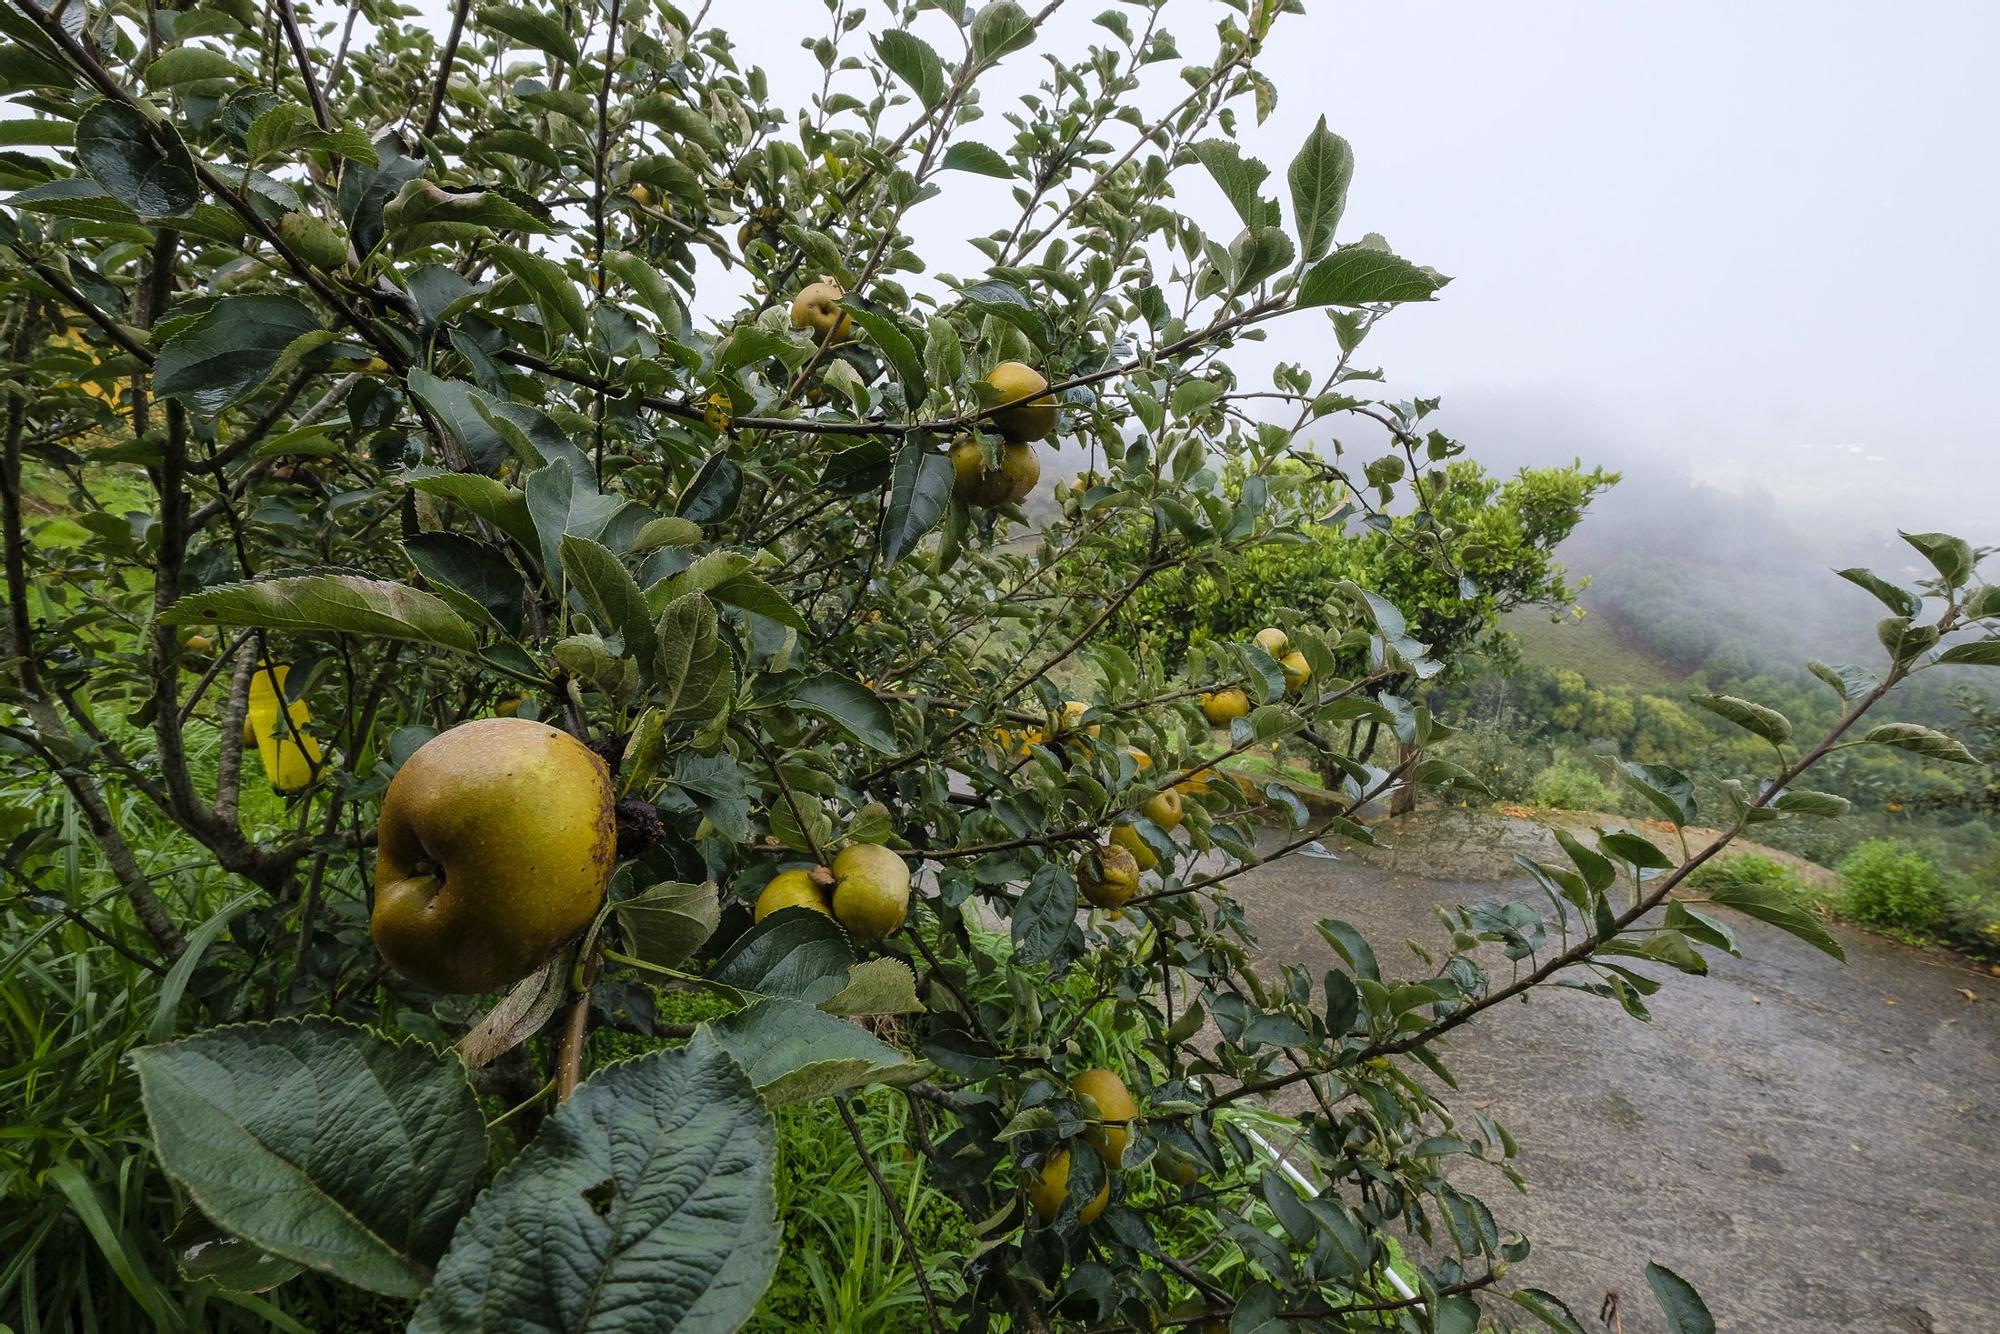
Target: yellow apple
[(817, 307), (496, 845), (1108, 876), (1164, 810), (791, 889), (1115, 1110), (1274, 641), (871, 890), (1048, 1188), (1030, 418), (1225, 706)]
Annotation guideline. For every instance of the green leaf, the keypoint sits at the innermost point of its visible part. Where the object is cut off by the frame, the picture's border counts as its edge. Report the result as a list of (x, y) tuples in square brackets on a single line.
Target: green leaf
[(919, 490), (645, 1203), (794, 953), (896, 346), (851, 707), (671, 531), (1899, 600), (320, 1142), (944, 362), (1952, 557), (1979, 604), (231, 349), (794, 1052), (1977, 652), (1670, 791), (554, 294), (1804, 801), (912, 60), (876, 986), (456, 406), (715, 491), (205, 1251), (1905, 642), (1044, 917), (1597, 870), (1849, 681), (141, 162), (1193, 396), (188, 64), (537, 28), (1361, 274), (1686, 1313), (746, 592), (693, 674), (612, 595), (424, 214), (1640, 851), (335, 603), (1919, 740), (1767, 903), (503, 506), (969, 155), (1757, 719), (1350, 945), (1319, 176), (1240, 178), (668, 922), (999, 28)]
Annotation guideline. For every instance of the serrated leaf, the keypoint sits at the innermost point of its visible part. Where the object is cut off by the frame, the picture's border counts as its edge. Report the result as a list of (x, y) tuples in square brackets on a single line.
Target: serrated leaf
[(693, 673), (230, 350), (1240, 179), (1359, 275), (1847, 680), (876, 986), (503, 506), (538, 28), (850, 706), (1919, 740), (912, 60), (1686, 1313), (794, 1052), (1978, 652), (1899, 600), (668, 922), (552, 291), (335, 603), (612, 595), (1754, 718), (746, 592), (919, 489), (645, 1203), (998, 28), (1626, 846), (970, 155), (188, 64), (895, 345), (1767, 903), (1804, 801), (320, 1142), (1670, 791), (1952, 557), (794, 953), (1319, 177), (142, 163)]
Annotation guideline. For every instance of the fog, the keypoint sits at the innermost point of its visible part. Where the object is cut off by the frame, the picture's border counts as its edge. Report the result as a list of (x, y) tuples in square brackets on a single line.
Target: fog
[(1742, 246)]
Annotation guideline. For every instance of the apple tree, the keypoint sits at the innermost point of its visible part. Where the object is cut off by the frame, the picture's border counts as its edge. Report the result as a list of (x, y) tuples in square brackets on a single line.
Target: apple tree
[(372, 379)]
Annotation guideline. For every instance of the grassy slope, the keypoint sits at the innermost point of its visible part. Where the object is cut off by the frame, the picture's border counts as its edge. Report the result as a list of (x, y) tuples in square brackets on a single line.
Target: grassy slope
[(1591, 647)]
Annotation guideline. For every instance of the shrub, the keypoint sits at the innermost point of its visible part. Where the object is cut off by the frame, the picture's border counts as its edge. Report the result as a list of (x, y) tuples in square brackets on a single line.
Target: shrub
[(1885, 882), (1572, 785)]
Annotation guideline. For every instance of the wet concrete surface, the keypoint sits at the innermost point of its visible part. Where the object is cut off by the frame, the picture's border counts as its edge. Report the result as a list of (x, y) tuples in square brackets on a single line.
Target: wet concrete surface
[(1815, 1146)]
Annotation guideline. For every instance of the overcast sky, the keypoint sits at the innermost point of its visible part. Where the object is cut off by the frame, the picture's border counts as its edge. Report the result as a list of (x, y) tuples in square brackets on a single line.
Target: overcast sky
[(1748, 241)]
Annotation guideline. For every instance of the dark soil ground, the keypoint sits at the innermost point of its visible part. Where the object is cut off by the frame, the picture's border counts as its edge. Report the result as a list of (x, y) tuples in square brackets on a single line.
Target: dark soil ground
[(1815, 1146)]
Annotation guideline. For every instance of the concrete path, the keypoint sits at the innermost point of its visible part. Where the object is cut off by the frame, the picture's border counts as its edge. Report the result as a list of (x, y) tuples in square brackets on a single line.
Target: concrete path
[(1815, 1147)]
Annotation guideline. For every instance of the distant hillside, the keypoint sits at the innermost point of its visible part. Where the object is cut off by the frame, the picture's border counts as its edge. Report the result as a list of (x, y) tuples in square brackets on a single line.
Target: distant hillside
[(1598, 647)]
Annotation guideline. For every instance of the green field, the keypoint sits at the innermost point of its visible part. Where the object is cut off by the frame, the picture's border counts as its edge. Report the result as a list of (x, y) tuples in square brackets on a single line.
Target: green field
[(1592, 647)]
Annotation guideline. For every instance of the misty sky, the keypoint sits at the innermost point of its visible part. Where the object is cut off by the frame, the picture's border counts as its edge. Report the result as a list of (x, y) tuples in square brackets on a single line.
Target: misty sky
[(1746, 243)]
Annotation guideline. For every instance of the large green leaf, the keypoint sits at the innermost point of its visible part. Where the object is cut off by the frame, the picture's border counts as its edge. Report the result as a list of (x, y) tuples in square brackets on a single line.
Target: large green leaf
[(668, 922), (1952, 557), (850, 706), (911, 59), (192, 64), (1758, 719), (1319, 176), (503, 506), (1364, 274), (612, 595), (340, 603), (1767, 903), (693, 671), (794, 1052), (1240, 178), (794, 953), (142, 162), (645, 1203), (1000, 27), (538, 28), (231, 349), (919, 490), (554, 294), (321, 1142), (1920, 740), (896, 345), (1686, 1312)]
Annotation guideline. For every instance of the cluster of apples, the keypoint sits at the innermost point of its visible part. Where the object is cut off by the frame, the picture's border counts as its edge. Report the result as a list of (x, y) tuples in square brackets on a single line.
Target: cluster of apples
[(1223, 707), (867, 891), (1049, 1186), (1028, 414)]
